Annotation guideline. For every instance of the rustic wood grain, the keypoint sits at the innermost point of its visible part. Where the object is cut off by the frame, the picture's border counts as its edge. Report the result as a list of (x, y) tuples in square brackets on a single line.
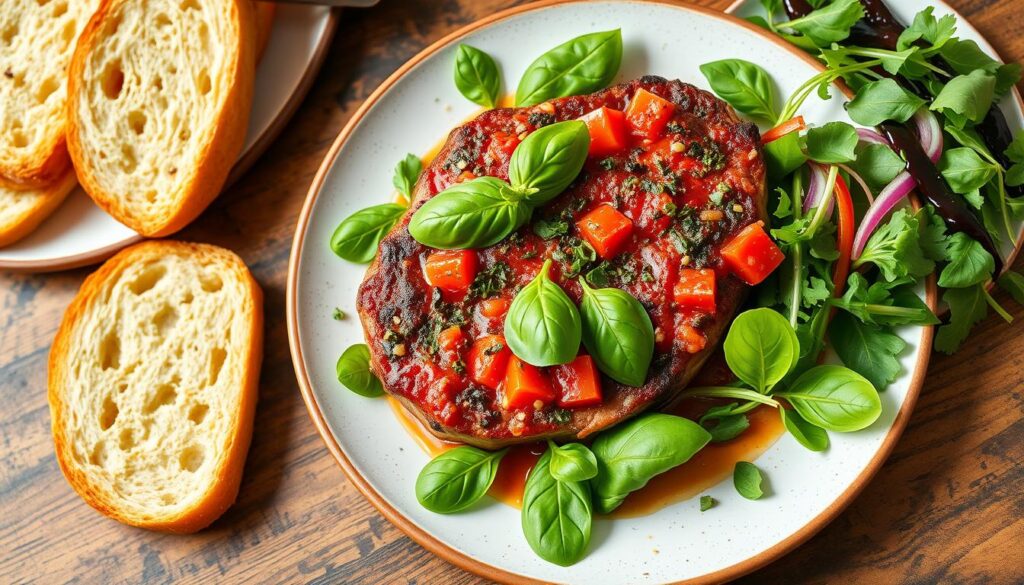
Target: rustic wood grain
[(947, 507)]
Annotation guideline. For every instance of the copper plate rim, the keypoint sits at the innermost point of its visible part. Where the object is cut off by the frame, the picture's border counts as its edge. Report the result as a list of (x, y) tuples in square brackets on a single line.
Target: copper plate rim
[(244, 162), (427, 540)]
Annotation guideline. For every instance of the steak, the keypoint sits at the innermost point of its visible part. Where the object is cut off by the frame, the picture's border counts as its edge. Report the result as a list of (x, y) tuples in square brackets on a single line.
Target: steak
[(687, 192)]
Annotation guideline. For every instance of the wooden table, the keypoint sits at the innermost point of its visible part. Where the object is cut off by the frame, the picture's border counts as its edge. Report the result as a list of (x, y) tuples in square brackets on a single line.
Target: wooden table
[(948, 505)]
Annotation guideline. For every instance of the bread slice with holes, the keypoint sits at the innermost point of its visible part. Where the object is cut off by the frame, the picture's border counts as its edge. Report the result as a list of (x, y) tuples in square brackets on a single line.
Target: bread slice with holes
[(153, 384), (159, 94), (22, 209), (37, 39)]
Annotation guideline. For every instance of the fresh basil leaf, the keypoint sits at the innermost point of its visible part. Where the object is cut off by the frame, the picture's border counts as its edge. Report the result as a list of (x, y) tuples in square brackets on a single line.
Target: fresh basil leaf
[(833, 143), (834, 398), (476, 76), (808, 435), (542, 327), (544, 164), (883, 100), (357, 237), (966, 98), (572, 462), (895, 248), (556, 515), (353, 371), (969, 263), (617, 333), (761, 348), (727, 428), (868, 349), (457, 478), (630, 454), (582, 65), (407, 171), (926, 27), (1013, 283), (967, 306), (784, 155), (964, 170), (706, 503), (829, 24), (746, 477), (878, 165), (744, 85), (474, 214)]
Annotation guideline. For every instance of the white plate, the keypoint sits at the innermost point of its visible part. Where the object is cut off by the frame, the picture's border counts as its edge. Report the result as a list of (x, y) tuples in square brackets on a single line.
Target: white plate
[(81, 233), (411, 111)]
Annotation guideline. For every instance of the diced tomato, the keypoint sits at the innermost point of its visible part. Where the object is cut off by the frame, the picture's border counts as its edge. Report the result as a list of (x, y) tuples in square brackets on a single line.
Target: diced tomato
[(647, 114), (693, 340), (451, 339), (607, 131), (494, 308), (501, 146), (580, 382), (695, 289), (488, 361), (752, 255), (525, 385), (451, 270), (606, 230)]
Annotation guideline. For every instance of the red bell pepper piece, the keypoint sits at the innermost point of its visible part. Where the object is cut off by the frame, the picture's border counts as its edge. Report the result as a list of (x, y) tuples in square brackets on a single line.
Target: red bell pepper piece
[(451, 270), (580, 383), (791, 125), (607, 129), (525, 385), (648, 114), (695, 289), (606, 230), (751, 254), (488, 361)]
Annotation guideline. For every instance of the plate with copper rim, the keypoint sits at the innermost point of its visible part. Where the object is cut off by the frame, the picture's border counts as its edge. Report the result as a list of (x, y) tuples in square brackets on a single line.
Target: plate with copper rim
[(410, 112), (79, 233)]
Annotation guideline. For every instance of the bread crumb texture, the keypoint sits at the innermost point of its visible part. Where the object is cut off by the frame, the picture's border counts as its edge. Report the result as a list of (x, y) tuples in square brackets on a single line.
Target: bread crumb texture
[(153, 384), (37, 39)]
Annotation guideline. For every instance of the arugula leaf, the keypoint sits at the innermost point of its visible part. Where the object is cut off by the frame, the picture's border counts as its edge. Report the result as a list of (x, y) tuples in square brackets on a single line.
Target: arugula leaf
[(883, 100), (877, 164), (406, 172), (965, 56), (744, 85), (833, 143), (926, 27), (966, 308), (1013, 283), (882, 304), (867, 349), (969, 137), (969, 263), (784, 155), (829, 24), (966, 98), (964, 170), (784, 208), (896, 250)]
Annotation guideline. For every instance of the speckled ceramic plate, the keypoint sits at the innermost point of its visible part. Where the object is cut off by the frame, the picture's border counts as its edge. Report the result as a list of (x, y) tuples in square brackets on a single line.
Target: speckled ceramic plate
[(410, 112), (80, 233)]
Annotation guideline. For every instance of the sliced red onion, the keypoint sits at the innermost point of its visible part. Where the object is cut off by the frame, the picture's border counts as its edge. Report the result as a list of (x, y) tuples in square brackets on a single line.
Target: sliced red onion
[(929, 133), (860, 181), (893, 193), (869, 135), (816, 189)]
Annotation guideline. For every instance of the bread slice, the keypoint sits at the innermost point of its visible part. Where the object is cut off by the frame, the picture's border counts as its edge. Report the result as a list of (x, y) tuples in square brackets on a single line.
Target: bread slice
[(159, 94), (22, 209), (153, 384), (37, 38)]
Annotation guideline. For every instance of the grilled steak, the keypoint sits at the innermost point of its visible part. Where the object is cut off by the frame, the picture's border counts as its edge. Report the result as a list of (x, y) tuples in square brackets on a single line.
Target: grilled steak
[(687, 191)]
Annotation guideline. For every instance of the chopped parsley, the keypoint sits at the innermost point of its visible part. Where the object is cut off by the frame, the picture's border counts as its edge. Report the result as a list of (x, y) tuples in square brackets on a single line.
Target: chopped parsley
[(490, 281), (550, 228), (607, 163), (338, 314)]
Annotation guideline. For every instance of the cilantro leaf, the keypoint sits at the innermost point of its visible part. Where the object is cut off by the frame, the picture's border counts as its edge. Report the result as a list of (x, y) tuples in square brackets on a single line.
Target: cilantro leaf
[(969, 263), (815, 292), (867, 349), (882, 304), (964, 170), (835, 142), (784, 208), (966, 308), (934, 242), (883, 100), (829, 24), (896, 250), (966, 98)]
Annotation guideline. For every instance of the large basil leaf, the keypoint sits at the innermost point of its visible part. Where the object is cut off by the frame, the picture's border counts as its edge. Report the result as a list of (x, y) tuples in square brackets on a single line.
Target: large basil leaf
[(457, 478), (761, 348), (744, 85), (808, 435), (476, 76), (353, 370), (629, 455), (618, 333), (474, 214), (542, 327), (544, 164), (572, 462), (557, 515), (357, 237), (586, 63), (834, 398)]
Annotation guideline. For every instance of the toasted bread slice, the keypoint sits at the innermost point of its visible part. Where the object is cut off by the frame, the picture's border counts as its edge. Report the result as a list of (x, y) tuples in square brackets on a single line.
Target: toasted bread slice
[(36, 43), (159, 95), (153, 384), (22, 209)]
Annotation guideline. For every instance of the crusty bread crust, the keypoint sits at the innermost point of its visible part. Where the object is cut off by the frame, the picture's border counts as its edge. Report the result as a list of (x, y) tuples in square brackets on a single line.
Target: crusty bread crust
[(23, 209), (195, 182), (220, 493)]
